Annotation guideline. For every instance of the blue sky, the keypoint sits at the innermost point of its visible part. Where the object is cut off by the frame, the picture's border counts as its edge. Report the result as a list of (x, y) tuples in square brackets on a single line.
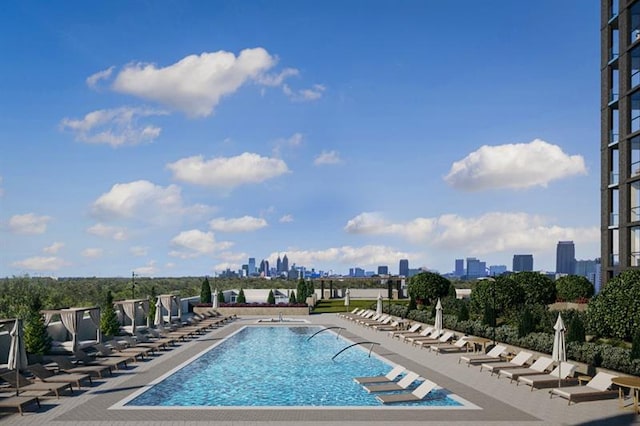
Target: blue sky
[(181, 138)]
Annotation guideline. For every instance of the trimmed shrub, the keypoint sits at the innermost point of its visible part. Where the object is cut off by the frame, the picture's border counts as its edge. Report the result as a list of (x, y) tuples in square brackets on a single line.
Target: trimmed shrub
[(526, 323), (573, 287), (635, 347), (428, 286), (271, 298), (241, 297), (615, 311), (205, 291), (109, 325), (575, 331), (36, 339), (463, 312), (292, 297)]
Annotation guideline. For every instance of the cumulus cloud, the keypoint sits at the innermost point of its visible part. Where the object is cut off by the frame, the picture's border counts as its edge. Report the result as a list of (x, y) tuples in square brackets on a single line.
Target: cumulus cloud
[(139, 251), (311, 94), (277, 79), (238, 224), (491, 232), (195, 243), (37, 263), (327, 157), (287, 218), (115, 127), (92, 80), (229, 260), (107, 231), (28, 223), (514, 166), (53, 248), (144, 200), (92, 253), (295, 140), (227, 172), (149, 269), (196, 83)]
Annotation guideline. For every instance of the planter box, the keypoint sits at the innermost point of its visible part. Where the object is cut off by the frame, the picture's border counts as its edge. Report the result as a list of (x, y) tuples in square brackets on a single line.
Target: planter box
[(273, 311)]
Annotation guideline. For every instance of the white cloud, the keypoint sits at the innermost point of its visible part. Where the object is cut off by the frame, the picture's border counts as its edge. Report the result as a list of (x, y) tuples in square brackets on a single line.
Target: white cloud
[(227, 173), (295, 140), (92, 80), (370, 255), (92, 253), (115, 127), (28, 223), (37, 263), (144, 200), (139, 251), (53, 248), (514, 166), (489, 233), (149, 269), (196, 83), (107, 231), (287, 218), (327, 157), (303, 95), (239, 224), (194, 243), (274, 80), (230, 260)]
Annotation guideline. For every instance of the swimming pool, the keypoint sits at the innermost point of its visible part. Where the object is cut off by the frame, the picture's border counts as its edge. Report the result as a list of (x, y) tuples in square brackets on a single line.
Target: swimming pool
[(267, 366)]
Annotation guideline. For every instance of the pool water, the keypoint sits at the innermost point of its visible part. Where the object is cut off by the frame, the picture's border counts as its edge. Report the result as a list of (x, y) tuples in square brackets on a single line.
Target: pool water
[(275, 366)]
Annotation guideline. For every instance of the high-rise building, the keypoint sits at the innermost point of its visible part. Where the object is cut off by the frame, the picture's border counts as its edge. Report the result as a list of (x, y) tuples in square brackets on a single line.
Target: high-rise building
[(285, 264), (252, 266), (403, 269), (497, 270), (522, 263), (459, 271), (383, 270), (279, 265), (476, 268), (620, 137), (566, 258)]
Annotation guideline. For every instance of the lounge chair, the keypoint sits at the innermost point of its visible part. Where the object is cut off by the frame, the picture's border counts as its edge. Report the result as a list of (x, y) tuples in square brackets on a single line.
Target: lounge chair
[(428, 342), (413, 329), (459, 346), (597, 388), (347, 314), (418, 394), (518, 361), (540, 366), (18, 402), (25, 385), (389, 377), (47, 376), (116, 348), (65, 364), (403, 383), (559, 374), (110, 361), (140, 341), (433, 334), (492, 356), (407, 334), (394, 325)]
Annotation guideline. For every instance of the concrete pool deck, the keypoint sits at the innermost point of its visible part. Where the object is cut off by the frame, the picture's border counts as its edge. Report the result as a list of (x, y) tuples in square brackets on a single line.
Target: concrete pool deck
[(502, 403)]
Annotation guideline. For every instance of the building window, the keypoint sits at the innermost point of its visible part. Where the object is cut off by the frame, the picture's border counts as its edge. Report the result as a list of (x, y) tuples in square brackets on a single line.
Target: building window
[(614, 249), (614, 130), (635, 112), (634, 74), (634, 23), (634, 201), (614, 7), (614, 209), (614, 45), (614, 171), (635, 246), (614, 83)]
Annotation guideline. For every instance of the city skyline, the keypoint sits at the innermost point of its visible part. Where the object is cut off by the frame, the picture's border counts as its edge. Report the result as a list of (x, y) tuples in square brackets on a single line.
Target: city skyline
[(184, 146)]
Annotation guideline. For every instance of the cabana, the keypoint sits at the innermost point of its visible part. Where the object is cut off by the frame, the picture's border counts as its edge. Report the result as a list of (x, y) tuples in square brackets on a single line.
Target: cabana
[(166, 301), (72, 319), (130, 308)]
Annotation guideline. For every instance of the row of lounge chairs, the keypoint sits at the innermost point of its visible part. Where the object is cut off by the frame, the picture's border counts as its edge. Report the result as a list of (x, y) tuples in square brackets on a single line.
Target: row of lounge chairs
[(388, 383), (520, 368), (62, 373)]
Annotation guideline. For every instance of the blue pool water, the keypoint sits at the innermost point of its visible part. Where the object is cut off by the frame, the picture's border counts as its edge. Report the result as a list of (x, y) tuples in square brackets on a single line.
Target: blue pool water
[(275, 366)]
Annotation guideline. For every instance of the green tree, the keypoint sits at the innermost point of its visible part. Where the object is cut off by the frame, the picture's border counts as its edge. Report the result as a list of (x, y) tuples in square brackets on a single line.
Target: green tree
[(205, 291), (635, 347), (428, 286), (220, 297), (109, 324), (241, 298), (36, 338), (538, 288), (575, 331), (301, 292), (309, 288), (152, 305), (502, 292), (271, 298), (615, 311), (463, 312), (292, 297), (572, 287), (526, 322), (412, 304)]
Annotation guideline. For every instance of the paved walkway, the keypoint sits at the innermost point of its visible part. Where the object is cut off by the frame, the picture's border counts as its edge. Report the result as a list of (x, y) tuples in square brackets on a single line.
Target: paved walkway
[(501, 403)]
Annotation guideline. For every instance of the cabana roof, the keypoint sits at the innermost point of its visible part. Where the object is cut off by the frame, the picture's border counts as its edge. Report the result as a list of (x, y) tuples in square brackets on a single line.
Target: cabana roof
[(129, 301), (58, 311)]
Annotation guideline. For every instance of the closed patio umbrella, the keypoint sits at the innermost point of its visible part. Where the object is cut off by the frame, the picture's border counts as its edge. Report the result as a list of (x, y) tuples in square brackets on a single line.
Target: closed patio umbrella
[(215, 304), (17, 352), (347, 299), (438, 324), (158, 318), (379, 305), (559, 350)]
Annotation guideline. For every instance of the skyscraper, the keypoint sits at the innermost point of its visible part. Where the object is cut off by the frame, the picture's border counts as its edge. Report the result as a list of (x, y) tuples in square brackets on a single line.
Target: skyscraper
[(522, 263), (403, 269), (476, 268), (383, 270), (620, 140), (566, 258), (285, 264), (279, 265), (252, 266), (459, 271)]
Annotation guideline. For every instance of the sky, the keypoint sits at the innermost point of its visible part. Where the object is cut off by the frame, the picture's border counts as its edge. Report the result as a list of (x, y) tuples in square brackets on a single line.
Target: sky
[(180, 138)]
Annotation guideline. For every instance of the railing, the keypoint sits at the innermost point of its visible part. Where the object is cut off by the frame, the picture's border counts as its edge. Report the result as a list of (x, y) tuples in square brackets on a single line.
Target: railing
[(614, 178), (614, 137), (614, 219), (325, 329), (356, 344), (635, 214)]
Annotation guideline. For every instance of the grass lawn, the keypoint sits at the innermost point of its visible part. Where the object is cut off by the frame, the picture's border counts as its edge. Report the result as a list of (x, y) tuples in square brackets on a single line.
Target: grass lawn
[(337, 305)]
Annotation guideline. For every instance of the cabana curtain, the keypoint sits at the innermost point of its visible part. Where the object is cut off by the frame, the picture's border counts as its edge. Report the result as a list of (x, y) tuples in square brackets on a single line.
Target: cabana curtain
[(94, 314), (70, 321)]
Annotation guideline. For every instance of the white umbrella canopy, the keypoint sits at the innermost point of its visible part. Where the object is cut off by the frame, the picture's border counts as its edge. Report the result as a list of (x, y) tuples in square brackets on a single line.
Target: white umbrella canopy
[(438, 324), (17, 352), (379, 305), (215, 304), (347, 298), (559, 349), (158, 320)]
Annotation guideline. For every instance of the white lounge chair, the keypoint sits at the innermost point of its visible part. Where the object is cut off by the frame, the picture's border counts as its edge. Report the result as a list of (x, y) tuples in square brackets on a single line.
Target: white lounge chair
[(418, 394), (413, 329), (560, 373), (406, 335), (597, 388), (434, 334), (428, 342), (403, 383), (491, 356), (389, 377), (458, 346), (541, 365), (518, 361)]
